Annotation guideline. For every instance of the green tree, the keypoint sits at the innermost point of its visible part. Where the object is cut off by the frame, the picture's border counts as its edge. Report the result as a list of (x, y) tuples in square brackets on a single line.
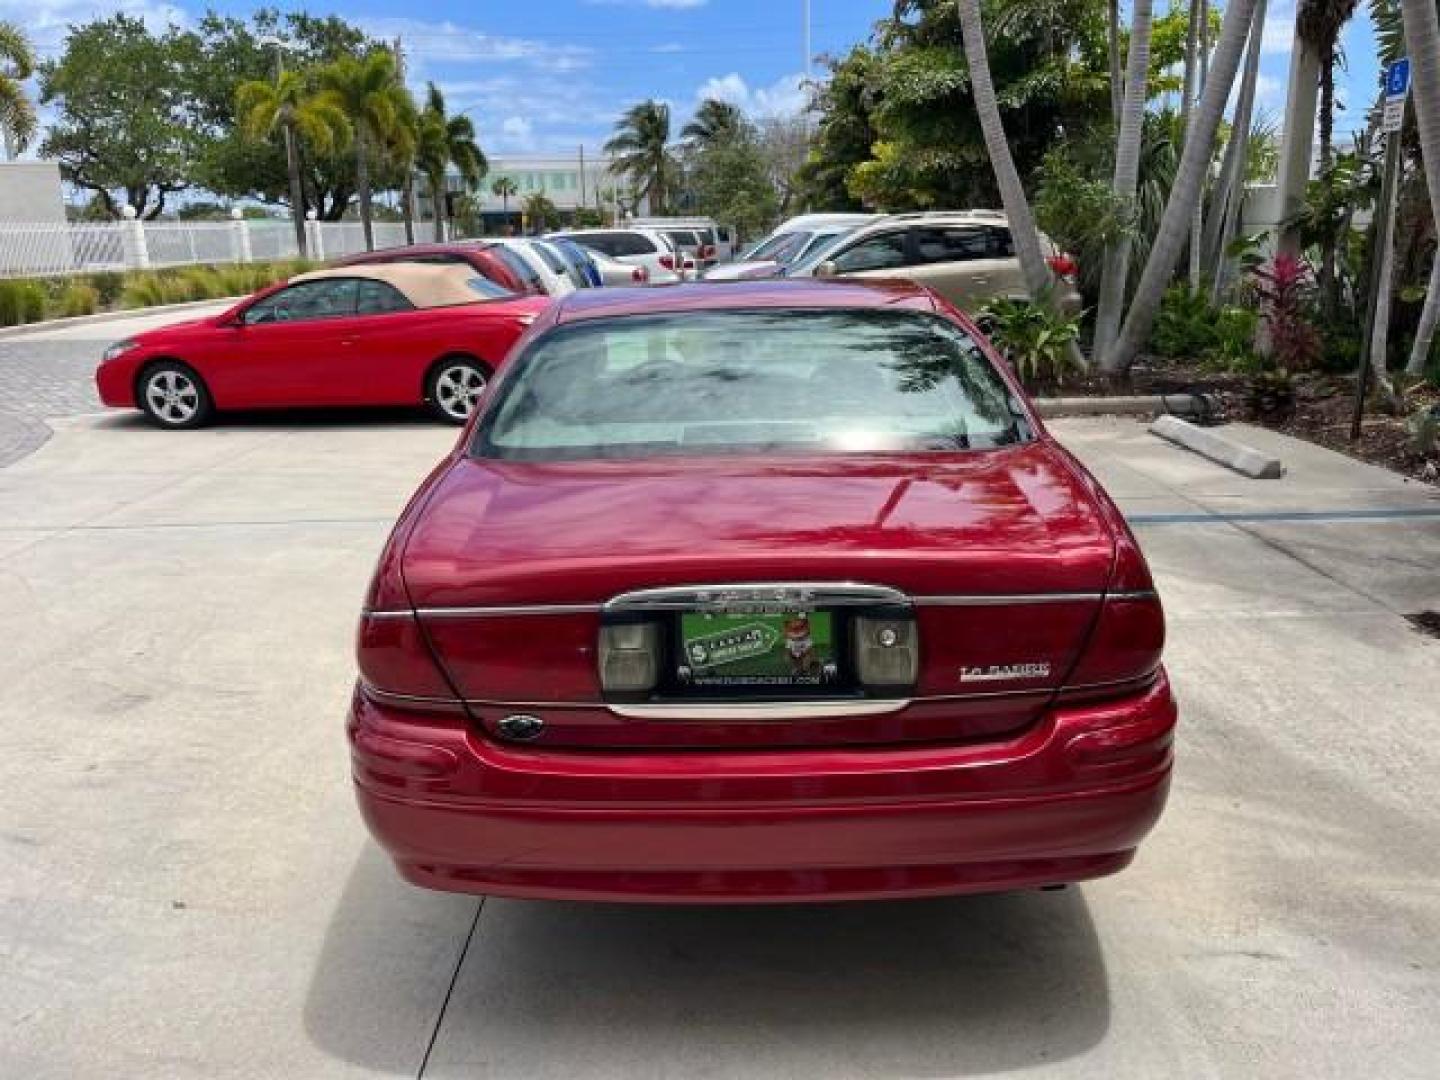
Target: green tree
[(17, 114), (715, 122), (540, 213), (641, 146), (369, 92), (124, 121), (447, 140), (504, 188), (225, 52), (845, 133), (289, 105)]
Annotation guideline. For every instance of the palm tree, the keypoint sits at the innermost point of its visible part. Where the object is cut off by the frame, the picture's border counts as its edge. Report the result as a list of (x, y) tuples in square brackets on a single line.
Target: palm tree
[(1229, 191), (17, 114), (1112, 47), (444, 141), (1174, 228), (641, 146), (289, 105), (504, 187), (402, 144), (715, 122), (540, 212), (1422, 38), (1318, 24), (1127, 172), (1038, 279), (368, 91)]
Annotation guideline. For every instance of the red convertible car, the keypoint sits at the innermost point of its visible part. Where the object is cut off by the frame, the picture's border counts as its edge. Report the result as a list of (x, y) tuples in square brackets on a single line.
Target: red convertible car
[(362, 335), (774, 592)]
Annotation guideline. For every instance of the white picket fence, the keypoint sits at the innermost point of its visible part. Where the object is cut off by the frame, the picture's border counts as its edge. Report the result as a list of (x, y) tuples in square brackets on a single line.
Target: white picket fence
[(44, 250)]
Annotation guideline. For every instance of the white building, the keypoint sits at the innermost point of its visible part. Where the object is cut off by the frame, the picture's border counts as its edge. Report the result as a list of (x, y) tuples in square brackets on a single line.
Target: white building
[(560, 178)]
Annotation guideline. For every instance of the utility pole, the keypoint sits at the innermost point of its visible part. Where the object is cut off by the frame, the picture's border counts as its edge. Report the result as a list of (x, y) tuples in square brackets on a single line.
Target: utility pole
[(581, 203), (407, 192)]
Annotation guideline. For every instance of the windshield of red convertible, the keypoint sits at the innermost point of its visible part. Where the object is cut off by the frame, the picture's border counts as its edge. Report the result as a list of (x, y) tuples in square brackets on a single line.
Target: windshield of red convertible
[(730, 382)]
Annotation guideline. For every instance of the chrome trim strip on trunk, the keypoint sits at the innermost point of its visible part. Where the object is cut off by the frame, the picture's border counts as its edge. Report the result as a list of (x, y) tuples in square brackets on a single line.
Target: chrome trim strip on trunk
[(759, 710), (692, 598), (1005, 599), (756, 594)]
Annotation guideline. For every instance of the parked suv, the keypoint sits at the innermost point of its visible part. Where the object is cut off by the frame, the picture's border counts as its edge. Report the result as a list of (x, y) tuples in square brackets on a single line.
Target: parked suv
[(967, 256), (638, 247)]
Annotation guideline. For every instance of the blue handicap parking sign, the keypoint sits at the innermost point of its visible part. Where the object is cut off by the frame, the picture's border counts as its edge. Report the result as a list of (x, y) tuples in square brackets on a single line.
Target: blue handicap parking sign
[(1397, 78)]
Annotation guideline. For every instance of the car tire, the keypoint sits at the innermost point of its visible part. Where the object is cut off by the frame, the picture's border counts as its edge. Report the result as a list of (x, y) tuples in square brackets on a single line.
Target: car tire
[(173, 395), (453, 387)]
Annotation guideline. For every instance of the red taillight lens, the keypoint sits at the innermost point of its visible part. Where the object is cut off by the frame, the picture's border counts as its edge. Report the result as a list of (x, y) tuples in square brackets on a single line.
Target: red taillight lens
[(640, 275), (1064, 266), (707, 252), (667, 261), (1129, 633), (395, 658)]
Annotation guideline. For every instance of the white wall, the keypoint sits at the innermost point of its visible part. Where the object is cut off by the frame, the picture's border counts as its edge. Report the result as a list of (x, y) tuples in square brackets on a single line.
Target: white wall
[(30, 192)]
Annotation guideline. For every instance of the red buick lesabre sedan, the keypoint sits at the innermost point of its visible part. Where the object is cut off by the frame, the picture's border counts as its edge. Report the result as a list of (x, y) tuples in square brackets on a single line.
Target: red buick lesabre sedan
[(776, 591), (363, 335)]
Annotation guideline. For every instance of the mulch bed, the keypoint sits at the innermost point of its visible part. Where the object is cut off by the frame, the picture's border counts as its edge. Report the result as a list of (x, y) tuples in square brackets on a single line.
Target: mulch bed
[(1323, 405)]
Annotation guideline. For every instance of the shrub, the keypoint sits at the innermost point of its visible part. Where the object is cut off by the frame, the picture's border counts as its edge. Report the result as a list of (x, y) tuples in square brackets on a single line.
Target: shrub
[(1185, 325), (108, 286), (77, 298), (1035, 339), (1234, 345), (21, 301)]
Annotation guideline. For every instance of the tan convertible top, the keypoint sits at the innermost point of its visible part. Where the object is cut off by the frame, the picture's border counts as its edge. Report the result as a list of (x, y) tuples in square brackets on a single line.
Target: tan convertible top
[(426, 285)]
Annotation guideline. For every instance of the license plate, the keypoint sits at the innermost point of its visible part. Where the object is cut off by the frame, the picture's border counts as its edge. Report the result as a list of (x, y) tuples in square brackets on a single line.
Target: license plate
[(770, 649)]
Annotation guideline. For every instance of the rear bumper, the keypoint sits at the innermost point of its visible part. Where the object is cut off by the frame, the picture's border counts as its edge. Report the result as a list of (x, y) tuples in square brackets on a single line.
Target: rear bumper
[(1066, 801)]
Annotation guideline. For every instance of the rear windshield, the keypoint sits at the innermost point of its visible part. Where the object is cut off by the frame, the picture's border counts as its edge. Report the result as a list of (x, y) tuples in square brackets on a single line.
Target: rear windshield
[(520, 268), (746, 381)]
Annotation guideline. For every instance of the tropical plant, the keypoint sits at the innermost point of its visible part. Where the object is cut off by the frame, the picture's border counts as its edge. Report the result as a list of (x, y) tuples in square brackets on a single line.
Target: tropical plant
[(17, 114), (1285, 290), (715, 122), (504, 188), (1271, 394), (641, 149), (1038, 341), (290, 105), (541, 214), (447, 140), (1185, 325), (368, 91)]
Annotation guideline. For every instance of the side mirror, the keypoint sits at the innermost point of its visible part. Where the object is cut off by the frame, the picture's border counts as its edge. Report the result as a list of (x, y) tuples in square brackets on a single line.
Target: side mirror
[(827, 269)]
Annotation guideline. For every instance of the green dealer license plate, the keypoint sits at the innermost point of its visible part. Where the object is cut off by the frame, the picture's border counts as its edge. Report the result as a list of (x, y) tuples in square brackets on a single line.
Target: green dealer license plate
[(774, 649)]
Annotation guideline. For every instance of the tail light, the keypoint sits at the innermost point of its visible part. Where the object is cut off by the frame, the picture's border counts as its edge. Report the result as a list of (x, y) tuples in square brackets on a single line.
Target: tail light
[(886, 650), (629, 656), (639, 275), (1064, 266), (1129, 632), (667, 261), (706, 252), (391, 649)]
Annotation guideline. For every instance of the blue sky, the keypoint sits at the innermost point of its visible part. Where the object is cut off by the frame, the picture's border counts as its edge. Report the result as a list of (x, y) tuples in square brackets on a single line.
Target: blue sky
[(549, 75)]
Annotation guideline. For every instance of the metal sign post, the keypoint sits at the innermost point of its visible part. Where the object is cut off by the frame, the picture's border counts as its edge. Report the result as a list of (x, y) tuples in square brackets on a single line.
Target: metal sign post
[(1397, 86)]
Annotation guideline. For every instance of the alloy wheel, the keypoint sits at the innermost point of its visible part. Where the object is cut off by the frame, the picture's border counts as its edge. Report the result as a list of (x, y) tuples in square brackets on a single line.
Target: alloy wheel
[(172, 396), (457, 388)]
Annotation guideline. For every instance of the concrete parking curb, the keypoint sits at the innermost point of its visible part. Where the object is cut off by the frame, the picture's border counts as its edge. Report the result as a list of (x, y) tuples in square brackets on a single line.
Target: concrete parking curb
[(1130, 405), (1217, 448), (46, 325)]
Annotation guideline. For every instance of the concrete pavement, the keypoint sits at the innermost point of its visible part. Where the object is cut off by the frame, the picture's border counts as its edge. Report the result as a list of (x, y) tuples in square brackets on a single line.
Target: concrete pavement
[(186, 890)]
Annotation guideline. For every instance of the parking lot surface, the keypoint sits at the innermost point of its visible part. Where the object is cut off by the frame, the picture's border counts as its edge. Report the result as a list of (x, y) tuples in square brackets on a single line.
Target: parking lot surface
[(187, 891)]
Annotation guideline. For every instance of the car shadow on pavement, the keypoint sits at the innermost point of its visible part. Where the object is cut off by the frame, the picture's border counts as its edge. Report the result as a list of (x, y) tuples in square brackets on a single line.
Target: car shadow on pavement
[(280, 419), (931, 987)]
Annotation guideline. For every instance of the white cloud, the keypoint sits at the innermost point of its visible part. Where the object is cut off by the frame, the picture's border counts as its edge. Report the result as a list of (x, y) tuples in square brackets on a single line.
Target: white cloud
[(46, 22), (449, 42), (786, 96)]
